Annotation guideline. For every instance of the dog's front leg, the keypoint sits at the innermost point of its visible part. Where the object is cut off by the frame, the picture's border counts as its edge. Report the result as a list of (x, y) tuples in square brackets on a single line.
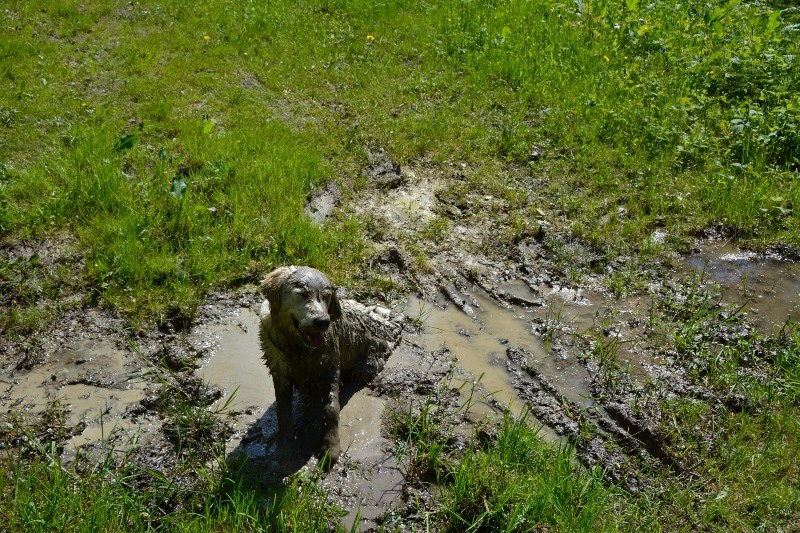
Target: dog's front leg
[(330, 419), (283, 404)]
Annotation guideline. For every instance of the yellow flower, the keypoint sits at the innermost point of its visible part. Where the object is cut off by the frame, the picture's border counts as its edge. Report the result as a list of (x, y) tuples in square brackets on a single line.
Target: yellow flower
[(370, 38), (606, 59), (206, 38)]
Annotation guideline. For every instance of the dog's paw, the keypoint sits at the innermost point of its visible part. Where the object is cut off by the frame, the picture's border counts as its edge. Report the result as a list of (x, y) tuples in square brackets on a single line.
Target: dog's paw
[(329, 458), (330, 452)]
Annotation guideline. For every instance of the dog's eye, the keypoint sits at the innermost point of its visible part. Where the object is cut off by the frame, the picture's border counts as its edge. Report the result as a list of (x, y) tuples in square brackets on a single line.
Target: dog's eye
[(302, 291)]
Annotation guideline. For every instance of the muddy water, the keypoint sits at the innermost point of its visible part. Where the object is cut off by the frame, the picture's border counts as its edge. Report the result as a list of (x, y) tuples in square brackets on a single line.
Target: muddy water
[(96, 381), (236, 366), (480, 343), (372, 479), (768, 287), (92, 381)]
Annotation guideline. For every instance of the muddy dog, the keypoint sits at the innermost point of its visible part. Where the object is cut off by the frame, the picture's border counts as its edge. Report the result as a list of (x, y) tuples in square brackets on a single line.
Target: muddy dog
[(311, 340)]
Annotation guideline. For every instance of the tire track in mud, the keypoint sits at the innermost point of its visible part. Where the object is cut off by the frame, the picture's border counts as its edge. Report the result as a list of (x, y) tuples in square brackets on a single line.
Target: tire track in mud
[(618, 424)]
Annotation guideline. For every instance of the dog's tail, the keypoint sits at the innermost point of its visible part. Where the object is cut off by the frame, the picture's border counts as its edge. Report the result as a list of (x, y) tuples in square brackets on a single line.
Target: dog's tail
[(372, 334), (389, 324)]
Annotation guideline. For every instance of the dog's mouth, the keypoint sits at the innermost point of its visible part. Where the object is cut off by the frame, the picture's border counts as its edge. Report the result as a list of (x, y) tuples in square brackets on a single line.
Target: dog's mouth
[(314, 339)]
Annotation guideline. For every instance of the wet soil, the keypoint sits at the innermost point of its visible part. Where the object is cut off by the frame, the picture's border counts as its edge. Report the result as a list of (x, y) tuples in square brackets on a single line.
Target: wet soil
[(496, 314)]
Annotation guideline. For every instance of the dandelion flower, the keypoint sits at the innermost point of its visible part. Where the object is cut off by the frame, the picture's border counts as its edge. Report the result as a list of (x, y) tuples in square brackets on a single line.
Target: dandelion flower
[(370, 38), (206, 38), (606, 59)]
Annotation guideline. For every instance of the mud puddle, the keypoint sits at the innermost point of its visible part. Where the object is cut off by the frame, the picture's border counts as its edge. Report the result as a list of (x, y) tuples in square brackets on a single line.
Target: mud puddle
[(235, 365), (481, 343), (87, 384), (768, 286), (368, 480)]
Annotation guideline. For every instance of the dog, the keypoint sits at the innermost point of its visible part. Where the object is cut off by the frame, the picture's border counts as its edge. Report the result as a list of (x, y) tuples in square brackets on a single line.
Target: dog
[(311, 340)]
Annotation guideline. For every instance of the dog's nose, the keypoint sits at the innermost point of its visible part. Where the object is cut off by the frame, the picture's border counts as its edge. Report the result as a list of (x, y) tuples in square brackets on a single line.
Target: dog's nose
[(322, 322)]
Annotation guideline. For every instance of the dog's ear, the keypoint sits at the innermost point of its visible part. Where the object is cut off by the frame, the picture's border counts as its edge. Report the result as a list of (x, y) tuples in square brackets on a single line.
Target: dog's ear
[(334, 309), (272, 284)]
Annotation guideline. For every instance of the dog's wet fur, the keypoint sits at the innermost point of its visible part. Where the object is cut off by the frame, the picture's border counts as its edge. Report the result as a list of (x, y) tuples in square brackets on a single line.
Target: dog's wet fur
[(311, 341)]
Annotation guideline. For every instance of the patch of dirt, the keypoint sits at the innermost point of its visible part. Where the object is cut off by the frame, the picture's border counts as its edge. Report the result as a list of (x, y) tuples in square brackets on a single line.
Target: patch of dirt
[(515, 317), (321, 203), (383, 172)]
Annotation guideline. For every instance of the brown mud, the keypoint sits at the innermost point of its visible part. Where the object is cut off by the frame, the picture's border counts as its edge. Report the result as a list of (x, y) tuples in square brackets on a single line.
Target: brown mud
[(497, 315)]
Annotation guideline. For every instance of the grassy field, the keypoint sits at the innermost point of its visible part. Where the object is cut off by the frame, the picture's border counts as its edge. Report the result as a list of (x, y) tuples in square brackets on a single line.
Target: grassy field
[(177, 140), (171, 145)]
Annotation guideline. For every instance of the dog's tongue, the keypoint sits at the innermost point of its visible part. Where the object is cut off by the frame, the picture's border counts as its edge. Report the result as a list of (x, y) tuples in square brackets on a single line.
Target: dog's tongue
[(316, 339)]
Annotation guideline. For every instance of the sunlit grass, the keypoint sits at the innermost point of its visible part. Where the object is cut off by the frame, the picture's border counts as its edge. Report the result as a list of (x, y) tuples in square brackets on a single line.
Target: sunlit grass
[(683, 114), (521, 483), (177, 141), (741, 439), (110, 489)]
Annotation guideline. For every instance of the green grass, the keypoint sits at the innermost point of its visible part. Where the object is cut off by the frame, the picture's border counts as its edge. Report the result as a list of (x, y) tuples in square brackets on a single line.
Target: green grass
[(519, 483), (504, 478), (740, 441), (43, 496), (684, 114)]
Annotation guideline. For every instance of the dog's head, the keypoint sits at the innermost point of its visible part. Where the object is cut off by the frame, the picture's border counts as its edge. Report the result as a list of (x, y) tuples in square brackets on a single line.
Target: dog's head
[(304, 297)]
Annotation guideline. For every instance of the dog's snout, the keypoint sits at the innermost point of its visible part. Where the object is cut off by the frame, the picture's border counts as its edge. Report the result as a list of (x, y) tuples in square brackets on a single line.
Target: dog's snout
[(322, 322)]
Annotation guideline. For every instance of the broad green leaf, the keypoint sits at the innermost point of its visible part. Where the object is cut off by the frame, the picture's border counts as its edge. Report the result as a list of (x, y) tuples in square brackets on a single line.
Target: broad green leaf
[(125, 142)]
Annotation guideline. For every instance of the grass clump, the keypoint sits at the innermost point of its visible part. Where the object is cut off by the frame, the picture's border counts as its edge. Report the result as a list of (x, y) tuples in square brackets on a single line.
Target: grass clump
[(160, 229), (503, 478), (519, 483), (750, 427), (45, 496), (725, 409)]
